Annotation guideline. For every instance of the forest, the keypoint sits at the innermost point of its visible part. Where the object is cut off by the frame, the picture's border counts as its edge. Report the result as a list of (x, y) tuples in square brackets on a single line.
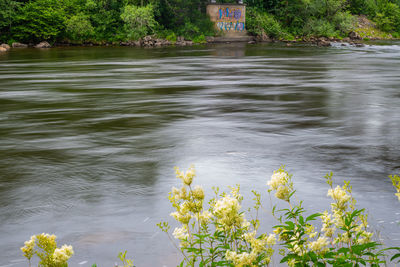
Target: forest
[(114, 21)]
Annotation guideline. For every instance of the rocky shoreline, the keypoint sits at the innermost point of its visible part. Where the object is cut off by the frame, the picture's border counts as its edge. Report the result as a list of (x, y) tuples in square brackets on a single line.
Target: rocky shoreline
[(151, 41)]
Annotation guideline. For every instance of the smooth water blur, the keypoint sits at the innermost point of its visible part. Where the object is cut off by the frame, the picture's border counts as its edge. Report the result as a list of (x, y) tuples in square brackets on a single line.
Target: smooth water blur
[(89, 137)]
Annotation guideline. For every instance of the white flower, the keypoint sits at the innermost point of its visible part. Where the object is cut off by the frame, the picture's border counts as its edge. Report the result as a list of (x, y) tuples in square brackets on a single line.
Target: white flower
[(181, 233), (62, 255), (340, 196), (277, 179), (205, 217), (271, 240), (319, 245)]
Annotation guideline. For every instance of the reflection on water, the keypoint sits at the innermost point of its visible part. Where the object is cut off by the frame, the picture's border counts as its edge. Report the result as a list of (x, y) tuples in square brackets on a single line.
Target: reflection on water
[(89, 136)]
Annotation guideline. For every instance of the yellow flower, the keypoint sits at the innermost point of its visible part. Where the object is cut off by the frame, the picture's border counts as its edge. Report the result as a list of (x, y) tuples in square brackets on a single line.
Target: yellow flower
[(340, 196), (320, 245), (205, 217), (182, 218), (242, 259), (28, 248), (271, 240), (283, 193), (277, 179), (198, 192), (187, 178), (226, 210), (62, 255), (181, 233)]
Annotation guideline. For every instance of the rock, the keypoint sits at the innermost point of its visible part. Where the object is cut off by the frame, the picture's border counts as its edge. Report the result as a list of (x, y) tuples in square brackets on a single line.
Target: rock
[(354, 36), (359, 45), (19, 45), (6, 46), (210, 39), (288, 44), (180, 39), (346, 39), (263, 37), (2, 49), (43, 45), (323, 43), (251, 42)]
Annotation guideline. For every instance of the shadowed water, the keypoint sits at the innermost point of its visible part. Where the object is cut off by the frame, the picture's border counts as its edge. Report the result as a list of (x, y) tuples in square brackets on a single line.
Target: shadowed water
[(89, 137)]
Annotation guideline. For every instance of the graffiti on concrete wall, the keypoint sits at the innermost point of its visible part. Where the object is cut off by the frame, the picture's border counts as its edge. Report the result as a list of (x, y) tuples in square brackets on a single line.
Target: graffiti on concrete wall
[(228, 18), (229, 14), (230, 26)]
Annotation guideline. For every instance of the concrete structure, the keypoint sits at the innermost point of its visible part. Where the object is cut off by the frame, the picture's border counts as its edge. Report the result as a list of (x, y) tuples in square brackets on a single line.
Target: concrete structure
[(229, 19)]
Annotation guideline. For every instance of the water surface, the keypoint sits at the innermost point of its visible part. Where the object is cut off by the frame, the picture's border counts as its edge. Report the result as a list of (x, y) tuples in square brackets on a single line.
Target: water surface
[(89, 137)]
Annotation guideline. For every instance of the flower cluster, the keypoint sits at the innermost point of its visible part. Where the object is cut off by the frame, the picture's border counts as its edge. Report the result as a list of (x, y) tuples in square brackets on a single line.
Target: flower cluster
[(45, 247), (282, 184), (62, 255), (28, 249), (226, 210), (220, 233), (396, 183)]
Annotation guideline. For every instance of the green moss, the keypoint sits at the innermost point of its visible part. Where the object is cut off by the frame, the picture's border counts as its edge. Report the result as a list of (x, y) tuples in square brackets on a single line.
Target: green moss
[(372, 33)]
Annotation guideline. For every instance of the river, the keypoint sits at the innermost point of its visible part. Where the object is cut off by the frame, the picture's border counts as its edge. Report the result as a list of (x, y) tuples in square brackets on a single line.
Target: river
[(89, 137)]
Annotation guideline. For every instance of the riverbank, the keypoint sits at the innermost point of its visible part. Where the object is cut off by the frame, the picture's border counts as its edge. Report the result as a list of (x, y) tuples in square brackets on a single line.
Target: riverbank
[(153, 42)]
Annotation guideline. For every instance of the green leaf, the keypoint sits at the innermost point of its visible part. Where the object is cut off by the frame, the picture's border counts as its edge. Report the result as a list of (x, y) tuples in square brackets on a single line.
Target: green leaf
[(301, 220), (312, 217), (290, 225), (395, 257)]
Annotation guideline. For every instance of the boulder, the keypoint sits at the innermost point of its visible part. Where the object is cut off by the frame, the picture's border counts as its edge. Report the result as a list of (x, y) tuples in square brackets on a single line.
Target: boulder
[(263, 37), (180, 39), (210, 39), (354, 36), (6, 46), (43, 45), (346, 40), (323, 43), (2, 49), (19, 45)]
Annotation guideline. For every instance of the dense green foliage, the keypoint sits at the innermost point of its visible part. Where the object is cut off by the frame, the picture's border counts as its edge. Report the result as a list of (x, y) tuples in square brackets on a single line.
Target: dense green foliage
[(100, 21)]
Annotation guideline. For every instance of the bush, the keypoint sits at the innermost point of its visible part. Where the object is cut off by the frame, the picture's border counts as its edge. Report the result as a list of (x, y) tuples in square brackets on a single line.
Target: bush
[(79, 28), (259, 23), (8, 11), (389, 18), (320, 27), (139, 21), (40, 20), (344, 22)]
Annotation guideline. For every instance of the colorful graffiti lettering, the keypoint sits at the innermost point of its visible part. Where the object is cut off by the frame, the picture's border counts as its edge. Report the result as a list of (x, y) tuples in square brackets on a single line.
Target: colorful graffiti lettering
[(226, 13), (231, 26)]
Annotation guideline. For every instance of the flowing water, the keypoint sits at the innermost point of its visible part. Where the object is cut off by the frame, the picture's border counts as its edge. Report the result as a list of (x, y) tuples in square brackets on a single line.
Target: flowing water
[(89, 137)]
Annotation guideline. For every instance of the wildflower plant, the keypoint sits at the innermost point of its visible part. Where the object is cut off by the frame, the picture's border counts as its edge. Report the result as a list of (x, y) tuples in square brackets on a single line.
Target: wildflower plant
[(343, 239), (45, 247), (219, 235), (396, 183)]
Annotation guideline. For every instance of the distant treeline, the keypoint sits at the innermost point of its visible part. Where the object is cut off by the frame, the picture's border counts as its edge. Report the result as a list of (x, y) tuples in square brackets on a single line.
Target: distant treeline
[(112, 21)]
